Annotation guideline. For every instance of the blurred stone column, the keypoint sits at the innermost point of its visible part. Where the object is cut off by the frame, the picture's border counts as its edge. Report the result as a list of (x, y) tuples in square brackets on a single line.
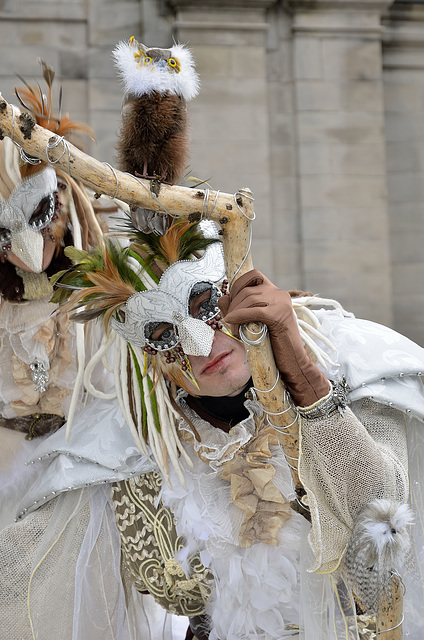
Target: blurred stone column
[(341, 153), (230, 117)]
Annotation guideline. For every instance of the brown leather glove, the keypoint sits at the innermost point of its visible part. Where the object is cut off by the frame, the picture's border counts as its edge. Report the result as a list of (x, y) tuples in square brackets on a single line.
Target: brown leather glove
[(254, 298)]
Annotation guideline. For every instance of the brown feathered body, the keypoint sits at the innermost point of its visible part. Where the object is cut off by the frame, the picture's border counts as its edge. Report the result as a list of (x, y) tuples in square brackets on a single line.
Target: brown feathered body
[(154, 140)]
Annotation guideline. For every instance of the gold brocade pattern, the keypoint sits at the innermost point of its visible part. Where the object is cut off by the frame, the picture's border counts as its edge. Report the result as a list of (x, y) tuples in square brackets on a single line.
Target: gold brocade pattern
[(251, 474), (150, 544), (54, 334)]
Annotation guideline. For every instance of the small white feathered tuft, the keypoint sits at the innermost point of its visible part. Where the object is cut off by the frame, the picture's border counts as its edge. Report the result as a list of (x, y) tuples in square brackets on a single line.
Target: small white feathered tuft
[(379, 546), (141, 78)]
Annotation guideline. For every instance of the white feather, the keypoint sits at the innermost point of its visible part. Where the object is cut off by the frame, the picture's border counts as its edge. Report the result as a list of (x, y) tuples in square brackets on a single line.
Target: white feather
[(142, 79), (379, 546)]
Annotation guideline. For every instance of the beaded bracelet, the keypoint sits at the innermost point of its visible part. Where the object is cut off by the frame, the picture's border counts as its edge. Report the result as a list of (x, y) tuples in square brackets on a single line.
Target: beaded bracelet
[(335, 401)]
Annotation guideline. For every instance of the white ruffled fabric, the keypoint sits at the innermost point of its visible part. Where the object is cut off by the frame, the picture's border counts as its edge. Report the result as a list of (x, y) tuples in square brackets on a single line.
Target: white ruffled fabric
[(257, 589)]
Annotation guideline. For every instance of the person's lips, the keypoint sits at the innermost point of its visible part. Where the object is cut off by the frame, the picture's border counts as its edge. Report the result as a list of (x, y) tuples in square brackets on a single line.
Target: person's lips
[(217, 364)]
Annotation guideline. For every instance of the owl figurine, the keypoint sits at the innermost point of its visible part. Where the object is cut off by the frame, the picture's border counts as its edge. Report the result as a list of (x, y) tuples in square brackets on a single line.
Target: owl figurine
[(154, 139)]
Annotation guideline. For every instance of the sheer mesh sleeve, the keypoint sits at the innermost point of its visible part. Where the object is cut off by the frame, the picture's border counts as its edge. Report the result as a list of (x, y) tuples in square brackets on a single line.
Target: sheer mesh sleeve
[(150, 546), (346, 461)]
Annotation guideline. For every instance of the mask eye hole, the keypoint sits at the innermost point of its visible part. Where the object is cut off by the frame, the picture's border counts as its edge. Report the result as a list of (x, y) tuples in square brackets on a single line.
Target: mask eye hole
[(163, 332), (160, 335), (203, 301), (5, 235), (43, 214)]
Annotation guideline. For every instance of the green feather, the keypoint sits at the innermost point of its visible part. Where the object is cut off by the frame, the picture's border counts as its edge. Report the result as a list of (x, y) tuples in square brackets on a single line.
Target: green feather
[(154, 403)]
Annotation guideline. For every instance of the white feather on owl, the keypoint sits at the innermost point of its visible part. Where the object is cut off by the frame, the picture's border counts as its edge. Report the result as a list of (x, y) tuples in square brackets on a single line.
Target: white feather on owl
[(140, 78), (379, 547)]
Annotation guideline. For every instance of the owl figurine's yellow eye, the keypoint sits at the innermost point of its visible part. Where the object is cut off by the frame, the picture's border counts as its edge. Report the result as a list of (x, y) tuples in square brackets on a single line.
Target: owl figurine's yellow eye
[(139, 56), (175, 64), (147, 60)]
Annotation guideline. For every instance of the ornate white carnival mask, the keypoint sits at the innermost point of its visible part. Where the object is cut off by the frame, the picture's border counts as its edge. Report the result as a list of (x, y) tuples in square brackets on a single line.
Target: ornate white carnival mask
[(30, 208), (165, 313)]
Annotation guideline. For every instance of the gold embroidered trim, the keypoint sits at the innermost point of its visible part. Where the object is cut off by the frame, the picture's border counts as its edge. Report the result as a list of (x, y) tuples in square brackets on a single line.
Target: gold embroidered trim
[(150, 545)]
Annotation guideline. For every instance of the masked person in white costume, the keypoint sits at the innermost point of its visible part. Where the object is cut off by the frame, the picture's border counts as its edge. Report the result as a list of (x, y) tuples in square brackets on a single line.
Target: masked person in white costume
[(176, 483), (202, 500), (41, 211)]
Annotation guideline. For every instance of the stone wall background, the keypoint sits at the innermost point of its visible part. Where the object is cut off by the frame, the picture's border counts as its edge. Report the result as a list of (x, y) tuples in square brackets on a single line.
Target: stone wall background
[(318, 107)]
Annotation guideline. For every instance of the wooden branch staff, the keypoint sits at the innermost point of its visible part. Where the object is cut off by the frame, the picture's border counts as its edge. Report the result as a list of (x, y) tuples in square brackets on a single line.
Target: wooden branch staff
[(234, 212)]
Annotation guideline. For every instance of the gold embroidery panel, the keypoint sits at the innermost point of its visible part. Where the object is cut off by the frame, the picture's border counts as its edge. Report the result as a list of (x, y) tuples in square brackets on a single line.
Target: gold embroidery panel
[(150, 544)]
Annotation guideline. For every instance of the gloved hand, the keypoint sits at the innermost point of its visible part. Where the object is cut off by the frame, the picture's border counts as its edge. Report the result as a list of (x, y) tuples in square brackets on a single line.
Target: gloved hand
[(254, 298)]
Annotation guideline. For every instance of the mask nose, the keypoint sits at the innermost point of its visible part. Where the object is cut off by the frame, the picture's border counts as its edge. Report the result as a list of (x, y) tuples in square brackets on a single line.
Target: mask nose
[(196, 336), (28, 246)]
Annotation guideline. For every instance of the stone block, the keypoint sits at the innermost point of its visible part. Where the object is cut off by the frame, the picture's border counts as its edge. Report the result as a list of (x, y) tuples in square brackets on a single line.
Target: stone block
[(282, 128), (402, 97), (367, 296), (404, 157), (307, 54), (358, 159), (359, 95), (73, 64), (408, 247), (339, 191), (284, 197), (75, 96), (405, 187), (282, 161), (406, 217), (105, 96), (340, 128), (285, 221), (287, 263), (106, 125), (49, 10), (320, 224), (399, 128), (338, 21), (280, 62), (403, 59), (245, 95), (212, 62), (23, 60), (246, 65), (368, 223), (100, 63), (313, 95), (314, 158), (362, 257), (262, 256), (408, 317), (351, 59), (157, 23), (113, 21), (343, 225), (280, 98), (53, 35), (408, 278), (237, 125)]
